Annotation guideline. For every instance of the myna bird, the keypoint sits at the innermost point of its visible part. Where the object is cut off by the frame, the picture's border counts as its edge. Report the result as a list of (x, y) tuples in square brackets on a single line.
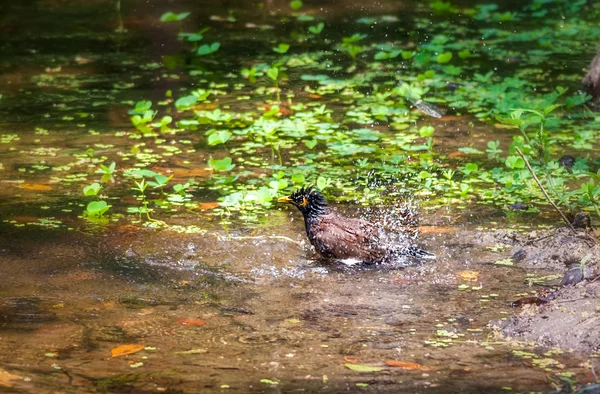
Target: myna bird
[(337, 237)]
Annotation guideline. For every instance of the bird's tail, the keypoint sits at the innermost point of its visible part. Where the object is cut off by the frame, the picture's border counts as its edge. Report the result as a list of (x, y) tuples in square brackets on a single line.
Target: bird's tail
[(413, 251)]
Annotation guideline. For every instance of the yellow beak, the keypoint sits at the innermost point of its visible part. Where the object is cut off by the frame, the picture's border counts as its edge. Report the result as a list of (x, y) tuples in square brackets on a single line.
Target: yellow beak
[(284, 199)]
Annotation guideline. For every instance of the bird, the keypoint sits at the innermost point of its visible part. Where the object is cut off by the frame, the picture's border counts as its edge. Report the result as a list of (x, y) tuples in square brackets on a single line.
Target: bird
[(341, 238)]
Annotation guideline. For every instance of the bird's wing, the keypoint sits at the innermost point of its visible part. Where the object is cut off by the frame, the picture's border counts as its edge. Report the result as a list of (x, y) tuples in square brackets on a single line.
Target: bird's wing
[(345, 238)]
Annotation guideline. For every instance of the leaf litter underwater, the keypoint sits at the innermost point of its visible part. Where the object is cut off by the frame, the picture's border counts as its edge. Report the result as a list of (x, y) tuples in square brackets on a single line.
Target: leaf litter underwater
[(230, 295)]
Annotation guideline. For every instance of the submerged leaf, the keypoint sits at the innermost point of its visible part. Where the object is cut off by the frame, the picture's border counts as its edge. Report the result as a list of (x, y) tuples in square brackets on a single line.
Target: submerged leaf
[(124, 350), (362, 368)]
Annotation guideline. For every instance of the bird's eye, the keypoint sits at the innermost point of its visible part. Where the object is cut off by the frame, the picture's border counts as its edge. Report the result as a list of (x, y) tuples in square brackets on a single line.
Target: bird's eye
[(304, 202)]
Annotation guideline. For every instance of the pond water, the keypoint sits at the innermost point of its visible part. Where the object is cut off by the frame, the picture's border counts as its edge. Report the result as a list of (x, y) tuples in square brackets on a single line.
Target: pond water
[(212, 287)]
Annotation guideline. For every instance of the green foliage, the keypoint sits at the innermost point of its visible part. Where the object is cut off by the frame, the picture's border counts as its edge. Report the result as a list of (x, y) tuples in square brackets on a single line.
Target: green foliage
[(207, 49), (173, 17)]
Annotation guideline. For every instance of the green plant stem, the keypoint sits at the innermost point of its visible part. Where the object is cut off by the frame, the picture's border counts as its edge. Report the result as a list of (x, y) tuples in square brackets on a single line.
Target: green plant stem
[(120, 18), (544, 190)]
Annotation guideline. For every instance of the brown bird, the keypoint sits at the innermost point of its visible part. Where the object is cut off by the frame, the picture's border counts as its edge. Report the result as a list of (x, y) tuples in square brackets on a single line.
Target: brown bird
[(337, 237)]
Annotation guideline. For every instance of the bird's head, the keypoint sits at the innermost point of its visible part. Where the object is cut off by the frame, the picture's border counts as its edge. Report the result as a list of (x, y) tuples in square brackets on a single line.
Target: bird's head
[(308, 200)]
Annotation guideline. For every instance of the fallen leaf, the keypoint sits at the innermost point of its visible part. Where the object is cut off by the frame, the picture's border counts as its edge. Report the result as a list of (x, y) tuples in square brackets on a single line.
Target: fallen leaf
[(191, 322), (136, 365), (205, 206), (456, 154), (407, 365), (38, 187), (269, 381), (6, 378), (362, 368), (350, 359), (437, 230), (124, 350), (471, 276)]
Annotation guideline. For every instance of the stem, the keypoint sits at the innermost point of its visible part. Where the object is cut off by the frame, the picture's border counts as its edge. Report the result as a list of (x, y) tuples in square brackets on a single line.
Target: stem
[(544, 190), (120, 28)]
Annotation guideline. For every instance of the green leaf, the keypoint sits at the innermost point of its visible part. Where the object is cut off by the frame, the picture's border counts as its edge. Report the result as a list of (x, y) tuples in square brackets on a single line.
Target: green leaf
[(207, 49), (311, 143), (220, 137), (173, 17), (186, 102), (444, 57), (273, 73), (323, 183), (97, 208), (222, 164), (298, 179), (362, 368), (268, 381), (92, 190), (281, 48), (515, 162), (296, 4), (316, 29), (464, 54)]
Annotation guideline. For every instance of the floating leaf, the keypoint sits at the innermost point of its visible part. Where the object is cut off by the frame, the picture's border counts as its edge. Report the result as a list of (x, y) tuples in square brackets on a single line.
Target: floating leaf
[(282, 48), (124, 350), (97, 208), (220, 137), (186, 102), (222, 164), (316, 29), (207, 49), (91, 190), (173, 17), (444, 57), (362, 368)]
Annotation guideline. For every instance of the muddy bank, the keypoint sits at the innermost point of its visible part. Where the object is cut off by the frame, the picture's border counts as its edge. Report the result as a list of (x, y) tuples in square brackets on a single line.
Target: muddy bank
[(565, 310)]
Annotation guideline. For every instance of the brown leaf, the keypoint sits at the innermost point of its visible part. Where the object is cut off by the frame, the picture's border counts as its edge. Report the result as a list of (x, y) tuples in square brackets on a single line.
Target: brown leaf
[(191, 322), (124, 350), (6, 378), (436, 230), (407, 365), (471, 276), (350, 359), (38, 187), (205, 206), (456, 154)]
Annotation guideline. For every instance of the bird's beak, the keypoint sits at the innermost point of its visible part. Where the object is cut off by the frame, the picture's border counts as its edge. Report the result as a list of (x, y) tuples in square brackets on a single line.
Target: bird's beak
[(285, 199)]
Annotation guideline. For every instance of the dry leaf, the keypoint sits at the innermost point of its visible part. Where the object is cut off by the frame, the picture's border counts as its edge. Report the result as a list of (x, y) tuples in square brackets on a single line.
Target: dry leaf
[(350, 359), (124, 350), (6, 378), (437, 230), (191, 322), (205, 206), (456, 154), (407, 365), (38, 187), (471, 276)]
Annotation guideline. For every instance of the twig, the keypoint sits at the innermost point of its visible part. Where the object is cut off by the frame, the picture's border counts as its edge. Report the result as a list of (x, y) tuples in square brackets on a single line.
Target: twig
[(544, 190)]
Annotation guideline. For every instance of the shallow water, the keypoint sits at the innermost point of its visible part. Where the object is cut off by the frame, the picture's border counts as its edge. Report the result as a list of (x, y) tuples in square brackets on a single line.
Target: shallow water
[(244, 307)]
